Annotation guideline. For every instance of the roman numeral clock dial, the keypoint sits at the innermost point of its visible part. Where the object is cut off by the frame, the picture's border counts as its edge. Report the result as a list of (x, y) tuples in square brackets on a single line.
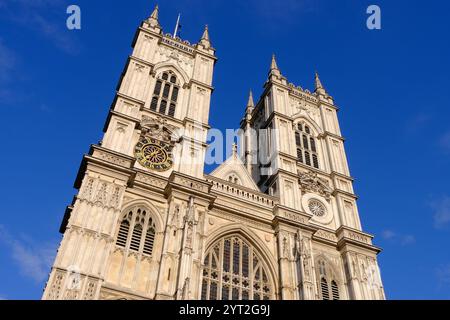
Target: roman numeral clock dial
[(154, 154)]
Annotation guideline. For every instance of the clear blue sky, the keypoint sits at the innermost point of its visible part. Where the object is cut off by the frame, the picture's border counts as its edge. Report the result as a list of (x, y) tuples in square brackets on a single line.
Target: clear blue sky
[(392, 87)]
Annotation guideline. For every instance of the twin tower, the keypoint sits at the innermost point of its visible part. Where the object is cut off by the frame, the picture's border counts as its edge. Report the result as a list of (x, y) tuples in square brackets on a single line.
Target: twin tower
[(148, 223)]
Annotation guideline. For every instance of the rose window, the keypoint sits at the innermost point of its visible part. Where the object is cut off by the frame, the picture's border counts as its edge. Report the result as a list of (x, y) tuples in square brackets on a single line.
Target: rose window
[(317, 208)]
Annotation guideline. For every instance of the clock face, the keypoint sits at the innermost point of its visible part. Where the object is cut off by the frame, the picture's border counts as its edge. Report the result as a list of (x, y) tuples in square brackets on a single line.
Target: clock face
[(154, 154)]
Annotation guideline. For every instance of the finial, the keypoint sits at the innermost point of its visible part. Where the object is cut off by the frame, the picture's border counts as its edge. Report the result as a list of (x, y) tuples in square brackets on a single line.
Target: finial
[(250, 102), (273, 65), (319, 87), (234, 149), (205, 35), (155, 12), (204, 40), (318, 82), (153, 19)]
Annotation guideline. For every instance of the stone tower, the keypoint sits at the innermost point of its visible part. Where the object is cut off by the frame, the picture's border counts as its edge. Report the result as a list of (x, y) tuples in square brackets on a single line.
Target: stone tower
[(160, 115), (300, 159), (148, 223)]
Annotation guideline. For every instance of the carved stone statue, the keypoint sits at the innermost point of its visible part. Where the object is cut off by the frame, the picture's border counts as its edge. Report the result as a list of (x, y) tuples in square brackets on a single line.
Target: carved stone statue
[(310, 182), (285, 248), (303, 254), (158, 129), (185, 290), (190, 220)]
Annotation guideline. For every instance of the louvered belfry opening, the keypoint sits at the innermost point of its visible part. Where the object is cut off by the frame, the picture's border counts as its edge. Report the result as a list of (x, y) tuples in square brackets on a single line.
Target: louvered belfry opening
[(329, 288), (133, 236), (324, 289), (306, 146), (123, 233), (165, 94)]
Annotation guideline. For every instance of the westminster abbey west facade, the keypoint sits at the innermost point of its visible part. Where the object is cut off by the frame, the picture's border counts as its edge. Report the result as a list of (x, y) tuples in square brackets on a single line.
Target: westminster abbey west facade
[(146, 226)]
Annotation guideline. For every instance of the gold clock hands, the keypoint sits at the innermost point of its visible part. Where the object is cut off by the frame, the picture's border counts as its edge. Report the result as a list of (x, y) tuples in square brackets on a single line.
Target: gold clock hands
[(152, 155)]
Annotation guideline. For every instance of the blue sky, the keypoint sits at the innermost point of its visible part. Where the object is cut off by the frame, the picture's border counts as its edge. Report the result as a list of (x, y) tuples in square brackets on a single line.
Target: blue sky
[(391, 86)]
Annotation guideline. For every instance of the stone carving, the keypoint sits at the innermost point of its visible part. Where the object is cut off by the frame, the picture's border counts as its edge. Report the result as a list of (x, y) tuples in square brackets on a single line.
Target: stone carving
[(101, 197), (158, 129), (115, 198), (364, 276), (90, 291), (185, 289), (292, 216), (304, 254), (317, 208), (186, 46), (130, 109), (325, 235), (285, 249), (174, 218), (87, 190), (201, 91), (155, 182), (112, 158), (55, 290), (191, 184), (139, 67), (71, 294), (182, 60), (301, 105), (189, 235), (310, 182), (190, 221), (357, 237), (301, 93), (354, 269), (106, 194)]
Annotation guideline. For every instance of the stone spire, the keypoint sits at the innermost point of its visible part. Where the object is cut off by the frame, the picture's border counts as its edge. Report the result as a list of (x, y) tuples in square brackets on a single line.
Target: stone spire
[(318, 85), (153, 21), (250, 102), (274, 73), (155, 13), (273, 65), (318, 82), (205, 38)]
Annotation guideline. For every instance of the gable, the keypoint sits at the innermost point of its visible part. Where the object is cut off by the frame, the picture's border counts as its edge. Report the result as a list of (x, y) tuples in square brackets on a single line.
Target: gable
[(233, 170)]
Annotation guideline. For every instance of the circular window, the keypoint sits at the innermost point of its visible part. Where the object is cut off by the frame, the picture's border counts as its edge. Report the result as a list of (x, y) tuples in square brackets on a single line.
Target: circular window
[(317, 208)]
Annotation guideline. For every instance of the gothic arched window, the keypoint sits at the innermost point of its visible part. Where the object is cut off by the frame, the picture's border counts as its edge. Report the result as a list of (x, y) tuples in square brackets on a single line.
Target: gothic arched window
[(329, 289), (306, 146), (234, 270), (165, 94), (137, 232)]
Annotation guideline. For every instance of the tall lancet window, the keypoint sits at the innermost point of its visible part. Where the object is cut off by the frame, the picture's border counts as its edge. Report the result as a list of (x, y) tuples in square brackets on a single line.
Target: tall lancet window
[(329, 289), (233, 270), (137, 232), (306, 146), (165, 94)]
